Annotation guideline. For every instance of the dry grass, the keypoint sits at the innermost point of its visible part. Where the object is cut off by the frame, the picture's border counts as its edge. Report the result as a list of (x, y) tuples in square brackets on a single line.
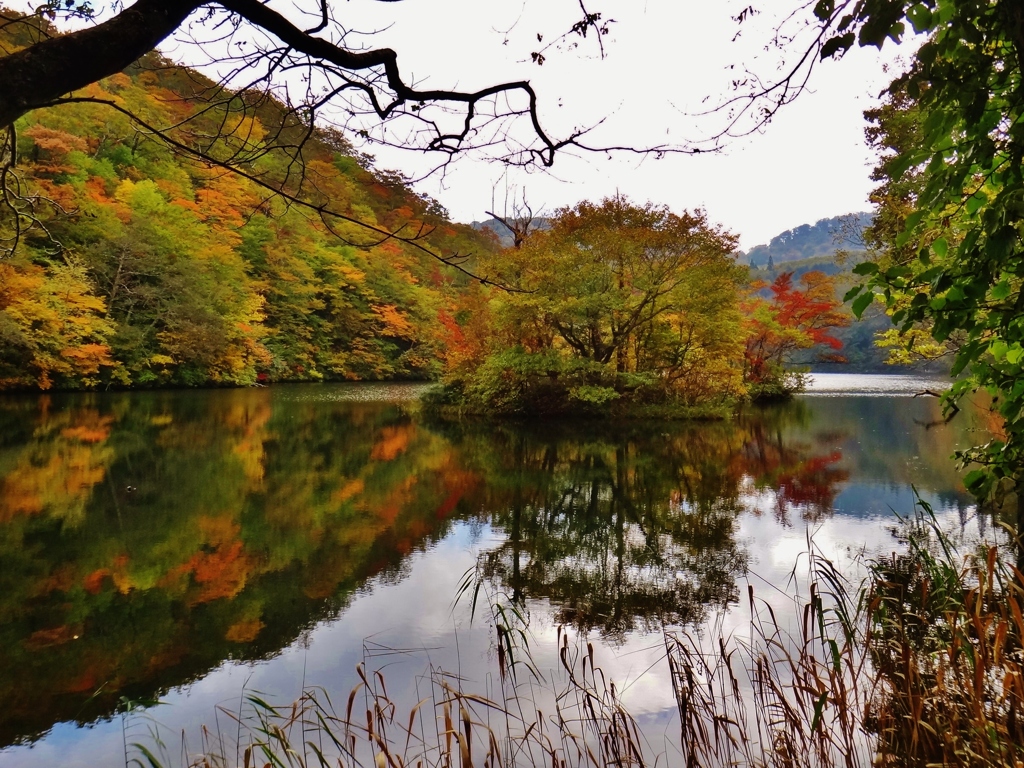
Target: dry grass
[(944, 633), (587, 727), (924, 668), (785, 696)]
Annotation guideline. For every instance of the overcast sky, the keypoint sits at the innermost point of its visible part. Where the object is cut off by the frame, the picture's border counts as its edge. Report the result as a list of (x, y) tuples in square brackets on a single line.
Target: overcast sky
[(665, 61), (663, 58)]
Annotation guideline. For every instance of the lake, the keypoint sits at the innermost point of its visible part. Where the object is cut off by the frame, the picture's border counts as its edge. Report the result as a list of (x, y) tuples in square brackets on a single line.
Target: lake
[(191, 546)]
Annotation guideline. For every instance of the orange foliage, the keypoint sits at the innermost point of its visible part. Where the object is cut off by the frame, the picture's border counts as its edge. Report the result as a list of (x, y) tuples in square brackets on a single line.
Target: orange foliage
[(398, 497), (811, 486), (96, 189), (53, 147), (222, 568), (347, 491), (244, 631), (46, 638), (61, 579), (394, 322), (458, 483), (64, 482), (84, 683), (393, 442), (793, 319), (88, 358), (222, 572), (96, 428), (93, 582), (117, 82)]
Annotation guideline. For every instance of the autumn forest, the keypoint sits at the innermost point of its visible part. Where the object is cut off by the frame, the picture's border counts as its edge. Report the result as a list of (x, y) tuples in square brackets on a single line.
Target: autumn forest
[(296, 469), (148, 266)]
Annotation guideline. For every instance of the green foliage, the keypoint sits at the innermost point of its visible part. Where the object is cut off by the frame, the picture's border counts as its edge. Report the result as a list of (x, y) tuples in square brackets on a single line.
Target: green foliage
[(146, 538), (594, 395), (951, 228), (811, 241)]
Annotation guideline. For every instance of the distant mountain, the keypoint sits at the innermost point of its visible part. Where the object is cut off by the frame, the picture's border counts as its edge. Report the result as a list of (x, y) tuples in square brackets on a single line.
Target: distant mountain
[(502, 232), (810, 241)]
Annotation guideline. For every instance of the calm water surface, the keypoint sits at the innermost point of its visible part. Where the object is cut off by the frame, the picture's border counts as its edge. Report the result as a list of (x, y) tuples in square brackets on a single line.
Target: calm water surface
[(187, 546)]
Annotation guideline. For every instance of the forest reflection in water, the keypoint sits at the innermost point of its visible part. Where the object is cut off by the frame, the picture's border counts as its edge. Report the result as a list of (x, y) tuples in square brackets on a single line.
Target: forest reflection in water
[(149, 538)]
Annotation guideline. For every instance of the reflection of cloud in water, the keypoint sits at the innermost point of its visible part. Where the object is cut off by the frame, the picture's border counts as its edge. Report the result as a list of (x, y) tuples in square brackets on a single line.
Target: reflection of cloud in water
[(606, 530), (416, 614)]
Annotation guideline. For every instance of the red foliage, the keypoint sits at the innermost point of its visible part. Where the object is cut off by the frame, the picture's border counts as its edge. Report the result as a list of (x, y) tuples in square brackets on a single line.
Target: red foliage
[(796, 317), (812, 310)]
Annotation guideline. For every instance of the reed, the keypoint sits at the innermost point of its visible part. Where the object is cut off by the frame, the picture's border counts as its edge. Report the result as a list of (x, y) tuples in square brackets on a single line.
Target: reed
[(921, 665), (784, 695), (586, 727), (944, 632)]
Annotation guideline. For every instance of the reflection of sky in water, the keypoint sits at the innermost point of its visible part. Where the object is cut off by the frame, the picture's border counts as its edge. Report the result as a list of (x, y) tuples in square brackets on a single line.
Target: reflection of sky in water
[(865, 499), (415, 613), (871, 384)]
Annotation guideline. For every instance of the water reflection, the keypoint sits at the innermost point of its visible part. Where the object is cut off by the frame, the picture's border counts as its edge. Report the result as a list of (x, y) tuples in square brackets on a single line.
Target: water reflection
[(147, 538), (619, 530)]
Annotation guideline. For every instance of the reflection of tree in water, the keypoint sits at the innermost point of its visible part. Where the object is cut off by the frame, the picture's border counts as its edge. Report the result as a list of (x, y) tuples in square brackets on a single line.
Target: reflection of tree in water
[(802, 476), (629, 529), (619, 531), (146, 538)]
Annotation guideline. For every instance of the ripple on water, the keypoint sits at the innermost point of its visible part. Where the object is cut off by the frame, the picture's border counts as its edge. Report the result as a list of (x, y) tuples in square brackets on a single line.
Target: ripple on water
[(872, 384), (361, 392)]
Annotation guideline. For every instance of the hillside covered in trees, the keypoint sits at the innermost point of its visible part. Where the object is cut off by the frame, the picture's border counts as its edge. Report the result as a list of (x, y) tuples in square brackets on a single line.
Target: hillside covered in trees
[(811, 241), (144, 267)]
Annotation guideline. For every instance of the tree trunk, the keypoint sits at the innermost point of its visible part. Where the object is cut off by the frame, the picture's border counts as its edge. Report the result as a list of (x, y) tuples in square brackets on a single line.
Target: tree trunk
[(37, 75)]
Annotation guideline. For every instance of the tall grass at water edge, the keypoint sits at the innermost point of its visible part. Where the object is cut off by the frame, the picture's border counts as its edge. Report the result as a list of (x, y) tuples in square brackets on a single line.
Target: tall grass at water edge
[(920, 665)]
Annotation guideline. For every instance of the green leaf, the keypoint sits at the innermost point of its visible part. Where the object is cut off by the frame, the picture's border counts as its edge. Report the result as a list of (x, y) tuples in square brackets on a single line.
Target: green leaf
[(975, 201), (861, 303), (852, 292), (940, 247), (909, 226), (901, 164), (1000, 290), (819, 708), (1015, 355), (866, 268), (914, 219), (974, 479), (920, 17), (836, 44)]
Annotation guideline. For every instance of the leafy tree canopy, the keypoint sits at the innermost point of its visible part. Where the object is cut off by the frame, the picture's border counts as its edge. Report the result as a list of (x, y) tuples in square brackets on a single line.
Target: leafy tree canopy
[(616, 301), (953, 141)]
